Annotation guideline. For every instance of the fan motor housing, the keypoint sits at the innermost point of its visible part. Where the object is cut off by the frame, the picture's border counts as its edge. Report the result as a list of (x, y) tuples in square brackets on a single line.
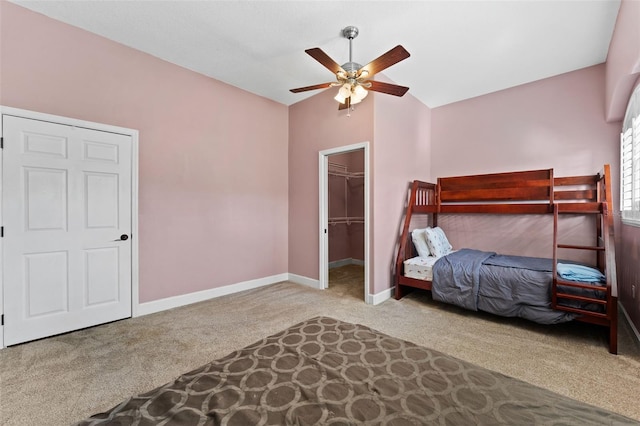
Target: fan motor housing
[(350, 32), (351, 67)]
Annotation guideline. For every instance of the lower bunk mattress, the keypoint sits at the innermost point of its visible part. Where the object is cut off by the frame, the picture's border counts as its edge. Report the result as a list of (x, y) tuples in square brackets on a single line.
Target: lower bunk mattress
[(509, 286), (420, 268)]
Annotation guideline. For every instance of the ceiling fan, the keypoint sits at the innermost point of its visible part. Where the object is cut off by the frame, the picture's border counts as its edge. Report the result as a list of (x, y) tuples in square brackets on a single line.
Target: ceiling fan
[(353, 78)]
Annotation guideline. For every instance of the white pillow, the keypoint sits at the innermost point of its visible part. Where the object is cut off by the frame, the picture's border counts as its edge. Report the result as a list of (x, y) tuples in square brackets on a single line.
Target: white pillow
[(420, 242), (437, 242)]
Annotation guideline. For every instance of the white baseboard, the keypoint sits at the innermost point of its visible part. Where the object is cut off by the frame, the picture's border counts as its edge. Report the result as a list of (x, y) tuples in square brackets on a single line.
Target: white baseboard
[(154, 306), (344, 262), (626, 315), (299, 279), (199, 296), (376, 299)]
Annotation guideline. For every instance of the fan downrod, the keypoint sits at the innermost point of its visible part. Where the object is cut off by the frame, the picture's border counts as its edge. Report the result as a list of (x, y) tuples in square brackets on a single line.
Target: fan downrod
[(351, 67)]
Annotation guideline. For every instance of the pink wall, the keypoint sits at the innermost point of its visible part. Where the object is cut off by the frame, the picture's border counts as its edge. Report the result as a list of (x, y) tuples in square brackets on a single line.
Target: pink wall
[(554, 123), (401, 154), (203, 173), (629, 270), (558, 123), (623, 59), (315, 124), (398, 129)]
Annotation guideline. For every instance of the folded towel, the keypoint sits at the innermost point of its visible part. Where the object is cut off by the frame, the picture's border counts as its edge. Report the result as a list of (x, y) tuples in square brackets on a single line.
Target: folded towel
[(573, 272)]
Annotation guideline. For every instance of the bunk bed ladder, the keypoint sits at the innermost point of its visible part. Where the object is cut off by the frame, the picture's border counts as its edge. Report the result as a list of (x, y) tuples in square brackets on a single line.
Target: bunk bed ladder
[(422, 199), (603, 302), (404, 243)]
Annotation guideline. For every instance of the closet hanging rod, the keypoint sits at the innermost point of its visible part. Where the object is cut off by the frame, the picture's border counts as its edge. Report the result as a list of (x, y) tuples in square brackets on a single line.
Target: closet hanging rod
[(346, 220), (342, 170), (347, 174)]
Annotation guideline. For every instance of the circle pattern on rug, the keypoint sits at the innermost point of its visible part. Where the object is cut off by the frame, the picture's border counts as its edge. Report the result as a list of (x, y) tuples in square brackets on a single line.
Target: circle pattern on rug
[(328, 372)]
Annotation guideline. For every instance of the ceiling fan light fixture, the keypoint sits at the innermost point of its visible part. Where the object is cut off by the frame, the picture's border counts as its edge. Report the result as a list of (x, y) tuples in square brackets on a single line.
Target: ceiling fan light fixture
[(359, 93), (343, 93)]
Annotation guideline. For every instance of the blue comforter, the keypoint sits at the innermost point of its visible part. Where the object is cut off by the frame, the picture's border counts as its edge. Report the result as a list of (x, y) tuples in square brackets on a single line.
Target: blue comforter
[(511, 286)]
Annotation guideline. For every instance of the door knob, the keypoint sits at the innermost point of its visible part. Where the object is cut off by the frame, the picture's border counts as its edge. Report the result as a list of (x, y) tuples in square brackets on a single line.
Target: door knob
[(123, 237)]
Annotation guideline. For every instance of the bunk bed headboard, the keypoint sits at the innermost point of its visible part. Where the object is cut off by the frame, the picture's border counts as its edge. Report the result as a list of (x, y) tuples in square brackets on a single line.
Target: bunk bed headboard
[(535, 185), (515, 192), (528, 192)]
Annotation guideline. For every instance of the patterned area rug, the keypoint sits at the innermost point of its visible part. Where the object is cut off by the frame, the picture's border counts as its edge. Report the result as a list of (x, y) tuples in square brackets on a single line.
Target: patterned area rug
[(325, 371)]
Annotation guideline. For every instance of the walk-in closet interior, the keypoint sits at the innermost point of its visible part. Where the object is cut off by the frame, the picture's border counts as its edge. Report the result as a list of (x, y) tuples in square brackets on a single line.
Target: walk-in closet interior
[(346, 223)]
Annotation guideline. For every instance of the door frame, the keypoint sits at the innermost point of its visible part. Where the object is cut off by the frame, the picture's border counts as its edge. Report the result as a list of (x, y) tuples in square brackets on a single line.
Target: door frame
[(323, 170), (33, 115)]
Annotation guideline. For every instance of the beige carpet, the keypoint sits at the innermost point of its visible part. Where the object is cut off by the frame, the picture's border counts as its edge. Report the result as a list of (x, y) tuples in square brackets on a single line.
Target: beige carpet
[(63, 379)]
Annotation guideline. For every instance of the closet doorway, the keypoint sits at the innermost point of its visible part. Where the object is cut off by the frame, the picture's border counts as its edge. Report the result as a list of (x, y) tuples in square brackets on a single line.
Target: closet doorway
[(344, 220)]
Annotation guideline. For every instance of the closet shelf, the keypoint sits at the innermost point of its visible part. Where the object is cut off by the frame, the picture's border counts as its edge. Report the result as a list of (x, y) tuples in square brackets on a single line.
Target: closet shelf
[(345, 174), (336, 169), (341, 170), (345, 220)]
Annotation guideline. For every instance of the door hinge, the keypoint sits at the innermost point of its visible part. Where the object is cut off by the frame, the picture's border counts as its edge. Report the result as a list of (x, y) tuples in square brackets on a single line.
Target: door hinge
[(2, 319), (1, 231), (1, 142)]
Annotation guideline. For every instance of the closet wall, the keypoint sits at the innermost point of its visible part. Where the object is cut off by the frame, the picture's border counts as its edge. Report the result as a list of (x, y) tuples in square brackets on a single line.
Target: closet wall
[(346, 208)]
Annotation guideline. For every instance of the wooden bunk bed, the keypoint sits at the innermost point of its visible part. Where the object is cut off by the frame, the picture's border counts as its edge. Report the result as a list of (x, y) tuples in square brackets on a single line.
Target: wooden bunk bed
[(528, 192)]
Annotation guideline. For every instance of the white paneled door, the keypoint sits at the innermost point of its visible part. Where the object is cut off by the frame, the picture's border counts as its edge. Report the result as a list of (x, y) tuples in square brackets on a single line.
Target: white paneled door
[(67, 225)]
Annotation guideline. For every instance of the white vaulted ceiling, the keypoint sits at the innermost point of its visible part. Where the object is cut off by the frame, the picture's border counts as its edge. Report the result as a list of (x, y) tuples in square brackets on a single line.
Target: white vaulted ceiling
[(459, 49)]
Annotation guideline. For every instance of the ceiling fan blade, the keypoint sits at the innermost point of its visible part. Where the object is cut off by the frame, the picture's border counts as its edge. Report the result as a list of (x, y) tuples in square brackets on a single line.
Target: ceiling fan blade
[(393, 56), (388, 88), (314, 87), (345, 105), (319, 55)]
